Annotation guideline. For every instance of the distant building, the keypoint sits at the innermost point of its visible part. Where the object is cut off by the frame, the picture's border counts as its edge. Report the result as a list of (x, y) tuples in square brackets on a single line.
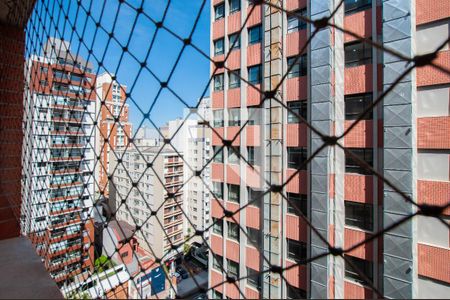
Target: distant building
[(141, 190), (193, 139), (58, 160), (113, 125)]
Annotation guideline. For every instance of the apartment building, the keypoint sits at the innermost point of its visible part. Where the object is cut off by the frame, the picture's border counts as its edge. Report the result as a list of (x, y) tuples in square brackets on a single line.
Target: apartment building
[(58, 160), (114, 128), (333, 81), (147, 192), (191, 137)]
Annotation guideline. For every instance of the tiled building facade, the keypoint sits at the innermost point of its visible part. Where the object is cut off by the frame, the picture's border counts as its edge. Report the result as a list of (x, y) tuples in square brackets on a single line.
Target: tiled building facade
[(58, 160), (405, 138)]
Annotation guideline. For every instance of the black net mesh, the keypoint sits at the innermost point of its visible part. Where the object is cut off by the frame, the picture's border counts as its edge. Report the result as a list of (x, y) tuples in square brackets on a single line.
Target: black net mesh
[(140, 46)]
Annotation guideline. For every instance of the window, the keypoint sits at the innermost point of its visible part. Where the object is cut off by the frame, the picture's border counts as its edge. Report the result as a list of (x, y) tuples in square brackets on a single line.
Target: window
[(218, 262), (218, 47), (296, 157), (358, 53), (295, 23), (362, 265), (299, 67), (298, 107), (251, 155), (218, 118), (219, 11), (254, 116), (359, 215), (233, 231), (352, 6), (300, 203), (234, 41), (233, 157), (235, 5), (254, 35), (294, 293), (351, 166), (218, 226), (255, 197), (356, 104), (233, 193), (253, 278), (296, 250), (254, 74), (218, 82), (255, 237), (218, 152), (234, 79), (233, 269), (234, 117), (218, 189)]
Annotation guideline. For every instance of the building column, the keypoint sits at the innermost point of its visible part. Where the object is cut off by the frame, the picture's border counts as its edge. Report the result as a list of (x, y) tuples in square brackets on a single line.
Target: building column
[(399, 144)]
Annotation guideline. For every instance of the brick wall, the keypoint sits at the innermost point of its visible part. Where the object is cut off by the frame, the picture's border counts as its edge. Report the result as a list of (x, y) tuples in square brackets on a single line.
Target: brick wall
[(11, 110)]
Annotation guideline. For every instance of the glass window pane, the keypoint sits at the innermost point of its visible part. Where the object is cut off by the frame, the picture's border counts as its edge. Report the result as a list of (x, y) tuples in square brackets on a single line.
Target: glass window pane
[(254, 35), (234, 41), (295, 23), (357, 54), (356, 104), (218, 118), (219, 11), (234, 79), (299, 108), (218, 47), (235, 5), (352, 6), (254, 74), (218, 82), (296, 157)]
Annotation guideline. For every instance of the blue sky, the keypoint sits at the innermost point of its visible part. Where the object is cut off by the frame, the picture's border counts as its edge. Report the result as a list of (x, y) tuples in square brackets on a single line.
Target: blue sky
[(189, 78)]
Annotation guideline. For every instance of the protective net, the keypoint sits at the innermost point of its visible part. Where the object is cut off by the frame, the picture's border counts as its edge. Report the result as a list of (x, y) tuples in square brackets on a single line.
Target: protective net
[(98, 75)]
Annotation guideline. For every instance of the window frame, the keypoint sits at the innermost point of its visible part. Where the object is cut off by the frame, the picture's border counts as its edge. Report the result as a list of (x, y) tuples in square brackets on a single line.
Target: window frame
[(296, 251), (237, 45), (253, 278), (222, 5), (216, 262), (255, 237), (300, 107), (365, 99), (365, 266), (358, 215), (292, 18), (219, 86), (219, 224), (352, 166), (233, 232), (360, 60), (251, 30), (216, 53), (218, 158), (357, 8), (259, 74), (292, 153), (234, 79), (230, 192), (219, 194), (234, 9), (235, 266), (233, 158), (300, 67), (302, 203), (217, 121)]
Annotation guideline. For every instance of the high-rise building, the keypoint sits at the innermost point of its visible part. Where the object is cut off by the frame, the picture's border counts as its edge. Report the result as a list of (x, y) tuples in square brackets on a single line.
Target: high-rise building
[(113, 125), (330, 83), (147, 191), (192, 138), (58, 160)]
